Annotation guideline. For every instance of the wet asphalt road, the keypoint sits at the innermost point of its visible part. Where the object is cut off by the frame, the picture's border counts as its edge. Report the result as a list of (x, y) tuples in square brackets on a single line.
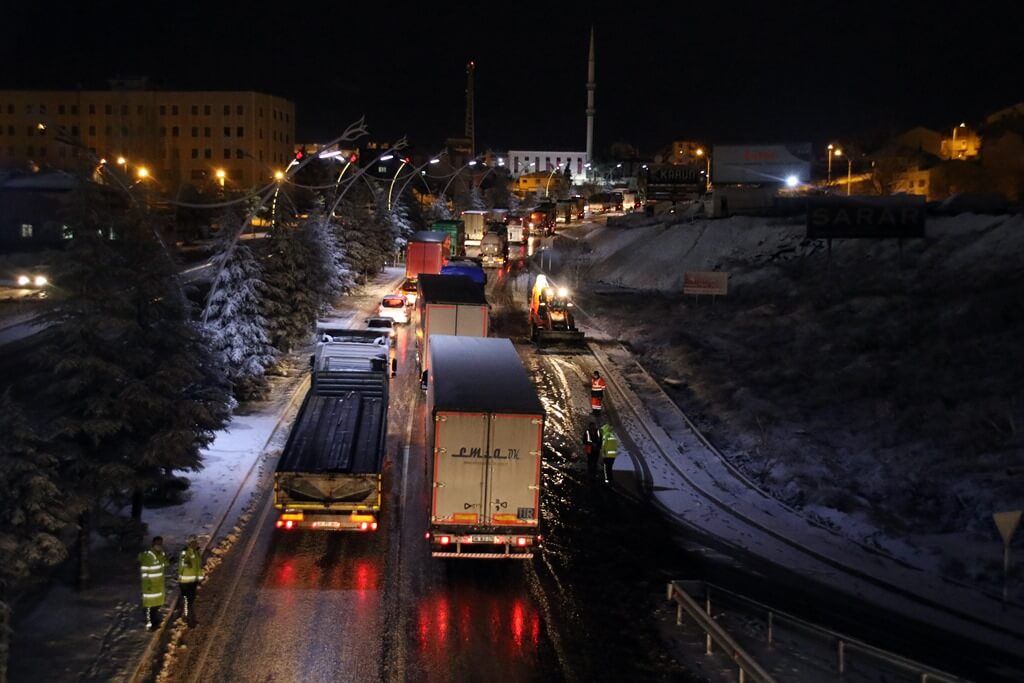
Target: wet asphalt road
[(376, 607)]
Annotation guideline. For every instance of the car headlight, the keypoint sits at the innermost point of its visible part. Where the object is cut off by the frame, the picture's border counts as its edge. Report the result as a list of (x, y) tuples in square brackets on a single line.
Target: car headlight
[(23, 280), (40, 281)]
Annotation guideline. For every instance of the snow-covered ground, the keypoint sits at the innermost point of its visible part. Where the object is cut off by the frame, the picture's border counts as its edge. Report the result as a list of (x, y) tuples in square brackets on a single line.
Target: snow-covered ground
[(877, 390)]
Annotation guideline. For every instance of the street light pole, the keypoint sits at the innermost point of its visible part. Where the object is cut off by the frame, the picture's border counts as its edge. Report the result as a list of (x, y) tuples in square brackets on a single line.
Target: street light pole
[(831, 148), (405, 160), (417, 171)]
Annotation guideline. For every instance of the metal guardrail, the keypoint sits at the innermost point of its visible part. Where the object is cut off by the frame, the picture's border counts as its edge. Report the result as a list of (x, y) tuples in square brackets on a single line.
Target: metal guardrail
[(683, 592), (713, 633)]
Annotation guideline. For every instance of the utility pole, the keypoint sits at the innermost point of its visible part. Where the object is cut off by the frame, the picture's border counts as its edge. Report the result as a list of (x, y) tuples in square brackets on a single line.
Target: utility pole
[(470, 118)]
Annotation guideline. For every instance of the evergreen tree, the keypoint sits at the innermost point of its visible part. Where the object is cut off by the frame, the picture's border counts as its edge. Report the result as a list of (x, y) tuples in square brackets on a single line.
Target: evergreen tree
[(329, 274), (33, 509), (235, 322), (438, 210), (290, 304), (136, 391), (476, 199)]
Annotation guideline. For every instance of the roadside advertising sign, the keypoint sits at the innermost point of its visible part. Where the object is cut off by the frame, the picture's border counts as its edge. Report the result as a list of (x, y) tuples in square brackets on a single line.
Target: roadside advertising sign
[(760, 164), (713, 283), (865, 217)]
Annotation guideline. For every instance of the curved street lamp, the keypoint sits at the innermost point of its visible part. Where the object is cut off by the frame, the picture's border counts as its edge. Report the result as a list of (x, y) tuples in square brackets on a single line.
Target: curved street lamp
[(405, 160), (417, 172)]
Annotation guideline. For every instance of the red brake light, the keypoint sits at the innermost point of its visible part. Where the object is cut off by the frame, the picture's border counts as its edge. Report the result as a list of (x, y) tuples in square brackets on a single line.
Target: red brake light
[(289, 524), (445, 540), (363, 526), (373, 526), (279, 524), (521, 540)]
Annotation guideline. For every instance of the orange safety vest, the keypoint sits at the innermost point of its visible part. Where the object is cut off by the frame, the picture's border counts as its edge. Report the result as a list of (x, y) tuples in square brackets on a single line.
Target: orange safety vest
[(597, 386)]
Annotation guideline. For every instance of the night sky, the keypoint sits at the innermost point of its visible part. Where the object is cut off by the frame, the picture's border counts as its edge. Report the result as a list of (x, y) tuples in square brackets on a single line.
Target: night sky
[(717, 72)]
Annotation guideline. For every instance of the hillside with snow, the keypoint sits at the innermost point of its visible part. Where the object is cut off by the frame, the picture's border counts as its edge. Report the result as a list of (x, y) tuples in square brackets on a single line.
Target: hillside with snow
[(878, 388)]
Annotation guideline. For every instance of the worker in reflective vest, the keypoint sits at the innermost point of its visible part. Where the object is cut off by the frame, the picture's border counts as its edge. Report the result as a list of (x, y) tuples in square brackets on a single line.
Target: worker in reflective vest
[(596, 393), (609, 449), (153, 563), (592, 446), (190, 573)]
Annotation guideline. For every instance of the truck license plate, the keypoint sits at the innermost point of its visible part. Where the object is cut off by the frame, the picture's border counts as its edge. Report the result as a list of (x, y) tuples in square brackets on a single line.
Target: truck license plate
[(326, 525), (481, 539)]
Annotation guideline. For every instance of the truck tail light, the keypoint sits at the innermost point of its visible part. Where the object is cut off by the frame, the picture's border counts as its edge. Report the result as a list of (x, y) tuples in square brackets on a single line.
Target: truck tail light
[(444, 540), (373, 526), (363, 526), (289, 524), (522, 540)]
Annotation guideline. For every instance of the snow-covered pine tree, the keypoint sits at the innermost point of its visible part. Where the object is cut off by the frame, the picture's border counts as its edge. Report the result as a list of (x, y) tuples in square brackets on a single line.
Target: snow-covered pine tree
[(33, 509), (291, 303), (438, 210), (235, 323), (476, 199), (135, 388), (329, 273)]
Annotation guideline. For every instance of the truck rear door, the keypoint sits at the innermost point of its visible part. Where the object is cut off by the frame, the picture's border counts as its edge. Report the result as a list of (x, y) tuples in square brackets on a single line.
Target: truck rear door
[(513, 470), (439, 319), (471, 321), (460, 466)]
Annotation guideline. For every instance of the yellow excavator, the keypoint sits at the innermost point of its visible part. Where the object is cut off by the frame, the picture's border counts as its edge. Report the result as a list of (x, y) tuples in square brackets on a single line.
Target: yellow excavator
[(551, 315)]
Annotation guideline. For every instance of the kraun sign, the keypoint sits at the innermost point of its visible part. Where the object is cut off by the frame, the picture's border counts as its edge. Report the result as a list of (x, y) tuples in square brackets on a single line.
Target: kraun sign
[(865, 217), (709, 283)]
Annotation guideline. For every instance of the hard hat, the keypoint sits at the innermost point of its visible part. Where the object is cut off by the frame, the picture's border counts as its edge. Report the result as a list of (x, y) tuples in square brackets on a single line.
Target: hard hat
[(596, 373)]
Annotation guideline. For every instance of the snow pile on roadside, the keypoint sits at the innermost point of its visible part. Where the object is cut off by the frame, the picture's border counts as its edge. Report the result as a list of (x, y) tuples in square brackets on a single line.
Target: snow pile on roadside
[(879, 390)]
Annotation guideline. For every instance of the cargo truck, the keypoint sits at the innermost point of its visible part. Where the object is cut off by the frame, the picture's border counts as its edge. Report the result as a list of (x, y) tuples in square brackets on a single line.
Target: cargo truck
[(452, 305), (329, 475), (476, 226), (457, 231), (485, 430), (428, 251), (492, 250)]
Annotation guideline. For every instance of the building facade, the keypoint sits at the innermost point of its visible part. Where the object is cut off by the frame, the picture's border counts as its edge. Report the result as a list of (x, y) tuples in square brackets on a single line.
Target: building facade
[(176, 136), (521, 162)]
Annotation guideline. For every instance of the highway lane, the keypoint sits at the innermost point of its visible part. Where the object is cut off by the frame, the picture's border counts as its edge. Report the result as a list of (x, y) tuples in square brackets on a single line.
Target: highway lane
[(367, 607)]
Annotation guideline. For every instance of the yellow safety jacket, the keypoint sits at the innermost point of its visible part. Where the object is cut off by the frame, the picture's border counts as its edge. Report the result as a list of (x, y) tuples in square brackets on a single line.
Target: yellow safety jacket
[(153, 562), (190, 566), (609, 442)]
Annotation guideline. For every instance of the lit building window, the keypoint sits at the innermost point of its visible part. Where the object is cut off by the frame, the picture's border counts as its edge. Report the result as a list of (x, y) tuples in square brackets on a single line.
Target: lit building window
[(26, 230)]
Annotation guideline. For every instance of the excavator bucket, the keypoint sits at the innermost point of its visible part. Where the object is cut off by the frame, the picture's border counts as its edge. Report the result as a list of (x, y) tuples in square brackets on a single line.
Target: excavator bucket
[(549, 337)]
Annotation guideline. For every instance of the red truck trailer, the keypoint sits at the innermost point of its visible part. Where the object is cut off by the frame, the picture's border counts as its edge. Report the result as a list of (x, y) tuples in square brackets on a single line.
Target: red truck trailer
[(428, 252)]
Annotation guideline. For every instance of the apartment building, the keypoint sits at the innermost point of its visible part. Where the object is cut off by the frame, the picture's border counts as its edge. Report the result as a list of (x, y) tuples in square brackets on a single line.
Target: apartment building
[(237, 137)]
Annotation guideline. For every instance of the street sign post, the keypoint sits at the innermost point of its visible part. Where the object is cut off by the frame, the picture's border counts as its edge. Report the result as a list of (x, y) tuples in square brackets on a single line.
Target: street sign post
[(1007, 523)]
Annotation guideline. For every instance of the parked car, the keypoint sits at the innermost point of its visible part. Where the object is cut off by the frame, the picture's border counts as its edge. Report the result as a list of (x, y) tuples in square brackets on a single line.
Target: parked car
[(382, 325), (394, 306)]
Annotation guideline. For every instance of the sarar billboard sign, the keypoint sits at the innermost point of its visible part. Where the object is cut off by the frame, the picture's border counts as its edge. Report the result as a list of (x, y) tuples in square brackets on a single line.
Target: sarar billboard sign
[(760, 164), (865, 217)]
